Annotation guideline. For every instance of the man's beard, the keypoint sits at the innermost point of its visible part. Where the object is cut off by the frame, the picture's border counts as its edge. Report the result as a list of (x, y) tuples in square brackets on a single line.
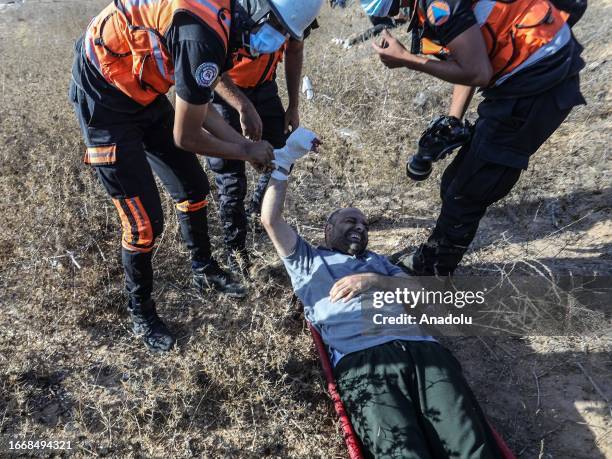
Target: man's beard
[(355, 248), (341, 242)]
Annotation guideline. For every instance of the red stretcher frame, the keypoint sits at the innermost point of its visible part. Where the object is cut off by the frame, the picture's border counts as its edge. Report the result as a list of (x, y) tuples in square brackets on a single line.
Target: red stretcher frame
[(350, 437)]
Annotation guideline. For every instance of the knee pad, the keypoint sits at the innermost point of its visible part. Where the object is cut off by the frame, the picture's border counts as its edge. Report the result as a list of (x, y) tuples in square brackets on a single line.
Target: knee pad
[(139, 232)]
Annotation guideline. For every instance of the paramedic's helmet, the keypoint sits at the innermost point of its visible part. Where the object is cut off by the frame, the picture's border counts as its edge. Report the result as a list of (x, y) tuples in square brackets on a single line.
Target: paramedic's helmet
[(295, 16)]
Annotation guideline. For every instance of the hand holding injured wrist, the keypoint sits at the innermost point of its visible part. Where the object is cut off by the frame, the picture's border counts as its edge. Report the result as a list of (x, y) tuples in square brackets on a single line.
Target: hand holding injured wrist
[(299, 143)]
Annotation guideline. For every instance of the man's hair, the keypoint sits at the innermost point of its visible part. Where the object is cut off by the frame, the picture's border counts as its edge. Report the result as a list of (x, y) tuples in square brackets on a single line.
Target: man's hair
[(332, 216)]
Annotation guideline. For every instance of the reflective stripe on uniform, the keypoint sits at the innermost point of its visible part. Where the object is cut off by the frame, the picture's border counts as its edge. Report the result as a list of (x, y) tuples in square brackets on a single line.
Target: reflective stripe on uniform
[(186, 206), (561, 39), (101, 155), (157, 54), (136, 225), (139, 3), (482, 10), (90, 51)]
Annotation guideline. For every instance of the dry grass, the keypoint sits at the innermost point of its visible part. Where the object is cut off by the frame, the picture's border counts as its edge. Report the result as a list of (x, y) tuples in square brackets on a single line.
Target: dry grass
[(244, 380)]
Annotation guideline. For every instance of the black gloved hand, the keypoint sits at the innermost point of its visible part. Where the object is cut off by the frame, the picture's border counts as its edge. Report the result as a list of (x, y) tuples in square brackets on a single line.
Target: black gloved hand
[(443, 135)]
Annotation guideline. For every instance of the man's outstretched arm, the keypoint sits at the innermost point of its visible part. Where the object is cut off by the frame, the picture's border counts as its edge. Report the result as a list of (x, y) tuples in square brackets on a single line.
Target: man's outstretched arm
[(284, 238), (282, 235)]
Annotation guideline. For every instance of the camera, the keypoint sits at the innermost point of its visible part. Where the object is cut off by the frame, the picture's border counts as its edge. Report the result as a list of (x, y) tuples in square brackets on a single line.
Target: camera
[(441, 137)]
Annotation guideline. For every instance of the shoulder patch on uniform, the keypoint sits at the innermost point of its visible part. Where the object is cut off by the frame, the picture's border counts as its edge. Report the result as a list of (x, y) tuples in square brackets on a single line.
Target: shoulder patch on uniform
[(438, 13), (206, 74)]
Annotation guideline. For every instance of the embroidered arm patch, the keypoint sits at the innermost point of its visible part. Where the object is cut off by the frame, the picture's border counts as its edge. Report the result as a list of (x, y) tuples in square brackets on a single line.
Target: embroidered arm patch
[(206, 74), (438, 13)]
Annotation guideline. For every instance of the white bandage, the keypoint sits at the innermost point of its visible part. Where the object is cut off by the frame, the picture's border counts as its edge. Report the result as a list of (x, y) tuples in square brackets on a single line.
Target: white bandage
[(279, 175), (299, 143)]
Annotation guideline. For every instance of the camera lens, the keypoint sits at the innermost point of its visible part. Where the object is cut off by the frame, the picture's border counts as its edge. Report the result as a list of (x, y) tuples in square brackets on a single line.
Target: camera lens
[(418, 168)]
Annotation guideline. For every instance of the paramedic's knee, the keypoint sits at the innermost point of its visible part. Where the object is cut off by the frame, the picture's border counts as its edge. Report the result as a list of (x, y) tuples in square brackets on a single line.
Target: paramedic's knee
[(139, 230)]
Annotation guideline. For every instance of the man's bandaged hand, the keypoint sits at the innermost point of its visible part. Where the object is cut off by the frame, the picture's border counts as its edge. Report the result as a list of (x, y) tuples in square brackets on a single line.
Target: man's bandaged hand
[(299, 143)]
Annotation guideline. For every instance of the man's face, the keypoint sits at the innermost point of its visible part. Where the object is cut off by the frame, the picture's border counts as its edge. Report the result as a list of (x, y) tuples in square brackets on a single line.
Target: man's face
[(347, 232)]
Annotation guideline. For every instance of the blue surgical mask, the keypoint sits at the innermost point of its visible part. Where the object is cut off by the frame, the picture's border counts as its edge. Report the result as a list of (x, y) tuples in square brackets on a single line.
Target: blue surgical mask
[(266, 40)]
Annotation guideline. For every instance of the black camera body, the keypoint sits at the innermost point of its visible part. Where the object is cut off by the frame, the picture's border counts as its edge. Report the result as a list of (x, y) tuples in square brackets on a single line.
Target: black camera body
[(442, 136)]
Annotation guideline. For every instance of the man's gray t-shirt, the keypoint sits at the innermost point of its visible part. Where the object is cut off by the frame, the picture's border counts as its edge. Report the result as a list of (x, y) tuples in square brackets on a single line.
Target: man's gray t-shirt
[(313, 272)]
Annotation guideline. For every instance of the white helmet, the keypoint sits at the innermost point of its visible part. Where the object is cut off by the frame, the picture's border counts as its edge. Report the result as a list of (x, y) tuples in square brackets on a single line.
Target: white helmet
[(296, 15)]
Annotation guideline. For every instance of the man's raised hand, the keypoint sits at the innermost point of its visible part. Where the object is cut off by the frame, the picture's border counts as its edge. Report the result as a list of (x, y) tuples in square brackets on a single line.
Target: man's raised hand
[(300, 142)]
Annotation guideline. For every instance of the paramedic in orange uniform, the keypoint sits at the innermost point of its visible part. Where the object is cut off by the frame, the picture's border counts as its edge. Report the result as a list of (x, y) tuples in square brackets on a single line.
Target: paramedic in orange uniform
[(247, 98), (131, 54), (525, 60)]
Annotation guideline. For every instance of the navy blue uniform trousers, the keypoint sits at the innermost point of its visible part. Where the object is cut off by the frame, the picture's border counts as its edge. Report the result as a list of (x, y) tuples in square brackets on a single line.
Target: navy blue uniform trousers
[(507, 133), (125, 149), (230, 175)]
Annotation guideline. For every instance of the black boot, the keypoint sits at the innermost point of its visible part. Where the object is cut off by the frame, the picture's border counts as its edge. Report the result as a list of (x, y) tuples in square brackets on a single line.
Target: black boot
[(212, 276), (147, 324), (414, 263), (434, 258)]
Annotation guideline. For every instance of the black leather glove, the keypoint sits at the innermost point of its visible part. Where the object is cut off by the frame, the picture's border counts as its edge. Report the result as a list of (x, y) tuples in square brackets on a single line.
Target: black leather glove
[(443, 135)]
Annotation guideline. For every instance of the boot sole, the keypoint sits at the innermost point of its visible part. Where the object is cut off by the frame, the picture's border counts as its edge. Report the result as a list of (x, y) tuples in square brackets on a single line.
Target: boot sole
[(156, 350)]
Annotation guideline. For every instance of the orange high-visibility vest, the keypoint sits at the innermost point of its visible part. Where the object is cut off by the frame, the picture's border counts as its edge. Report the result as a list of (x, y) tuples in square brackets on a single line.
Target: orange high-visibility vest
[(249, 72), (513, 30), (125, 42)]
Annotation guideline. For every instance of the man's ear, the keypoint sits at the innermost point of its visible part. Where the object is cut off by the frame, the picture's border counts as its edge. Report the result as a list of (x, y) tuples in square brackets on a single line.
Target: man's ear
[(328, 230)]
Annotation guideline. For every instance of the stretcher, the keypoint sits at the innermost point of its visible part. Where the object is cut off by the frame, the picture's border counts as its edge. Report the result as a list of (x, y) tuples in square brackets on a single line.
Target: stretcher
[(350, 437)]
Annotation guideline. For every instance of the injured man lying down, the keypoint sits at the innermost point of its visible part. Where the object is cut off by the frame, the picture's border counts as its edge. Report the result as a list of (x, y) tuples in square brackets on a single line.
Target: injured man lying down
[(405, 395)]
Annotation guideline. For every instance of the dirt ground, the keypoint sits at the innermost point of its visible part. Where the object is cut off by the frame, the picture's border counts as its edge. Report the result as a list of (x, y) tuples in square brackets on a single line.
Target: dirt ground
[(244, 380)]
